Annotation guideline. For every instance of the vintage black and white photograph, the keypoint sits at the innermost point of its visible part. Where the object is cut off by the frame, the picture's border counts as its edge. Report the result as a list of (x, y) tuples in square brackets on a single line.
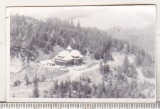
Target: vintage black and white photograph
[(83, 52)]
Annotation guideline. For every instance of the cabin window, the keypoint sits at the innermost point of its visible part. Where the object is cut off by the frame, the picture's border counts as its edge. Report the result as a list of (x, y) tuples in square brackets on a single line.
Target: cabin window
[(75, 56), (60, 57)]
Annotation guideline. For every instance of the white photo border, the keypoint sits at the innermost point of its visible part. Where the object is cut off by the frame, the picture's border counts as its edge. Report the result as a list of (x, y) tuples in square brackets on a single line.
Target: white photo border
[(115, 100)]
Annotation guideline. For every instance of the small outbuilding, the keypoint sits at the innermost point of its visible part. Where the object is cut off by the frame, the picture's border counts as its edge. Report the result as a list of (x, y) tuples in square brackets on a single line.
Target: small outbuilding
[(47, 63)]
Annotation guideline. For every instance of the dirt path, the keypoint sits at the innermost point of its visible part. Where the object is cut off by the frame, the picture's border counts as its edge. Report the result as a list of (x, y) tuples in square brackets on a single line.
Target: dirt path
[(74, 74), (79, 73), (141, 77)]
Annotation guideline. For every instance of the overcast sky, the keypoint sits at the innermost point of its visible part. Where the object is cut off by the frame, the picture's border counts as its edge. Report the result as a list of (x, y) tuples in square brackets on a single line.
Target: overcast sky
[(102, 17)]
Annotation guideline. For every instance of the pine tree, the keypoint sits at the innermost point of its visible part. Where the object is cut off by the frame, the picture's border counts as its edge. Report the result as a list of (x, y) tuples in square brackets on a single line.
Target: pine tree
[(35, 88), (26, 79), (120, 46), (105, 57), (125, 64), (78, 24), (101, 67), (43, 79), (139, 59), (106, 69), (62, 89), (51, 93), (127, 49)]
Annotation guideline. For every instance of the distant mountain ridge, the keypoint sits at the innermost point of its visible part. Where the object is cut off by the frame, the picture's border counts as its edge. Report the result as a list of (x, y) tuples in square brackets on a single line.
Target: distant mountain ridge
[(143, 38)]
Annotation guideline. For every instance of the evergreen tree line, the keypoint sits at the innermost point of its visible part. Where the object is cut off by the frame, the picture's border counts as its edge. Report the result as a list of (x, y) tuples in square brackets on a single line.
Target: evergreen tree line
[(85, 89), (30, 81), (128, 69), (29, 35), (125, 70)]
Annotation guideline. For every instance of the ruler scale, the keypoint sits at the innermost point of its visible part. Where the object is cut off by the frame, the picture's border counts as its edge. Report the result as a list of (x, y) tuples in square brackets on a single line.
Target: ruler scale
[(80, 106)]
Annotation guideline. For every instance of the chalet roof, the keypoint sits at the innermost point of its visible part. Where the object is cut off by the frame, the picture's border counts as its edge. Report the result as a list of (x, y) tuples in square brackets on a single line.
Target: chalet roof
[(68, 54), (64, 55), (75, 53), (69, 48)]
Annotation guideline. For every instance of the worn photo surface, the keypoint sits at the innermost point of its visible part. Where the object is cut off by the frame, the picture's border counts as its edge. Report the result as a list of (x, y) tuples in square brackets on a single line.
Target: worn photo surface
[(83, 52)]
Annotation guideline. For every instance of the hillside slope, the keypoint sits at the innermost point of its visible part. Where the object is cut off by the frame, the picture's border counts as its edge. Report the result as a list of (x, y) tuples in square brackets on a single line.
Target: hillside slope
[(143, 38), (112, 68)]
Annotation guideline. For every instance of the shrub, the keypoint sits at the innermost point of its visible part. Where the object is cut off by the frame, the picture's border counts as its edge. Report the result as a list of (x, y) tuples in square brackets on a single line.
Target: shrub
[(17, 82)]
